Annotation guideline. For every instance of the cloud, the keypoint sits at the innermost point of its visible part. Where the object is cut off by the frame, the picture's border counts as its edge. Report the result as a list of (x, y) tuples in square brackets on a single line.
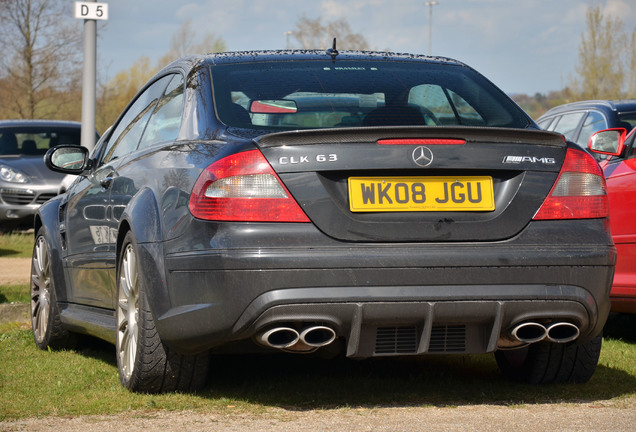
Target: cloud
[(619, 9)]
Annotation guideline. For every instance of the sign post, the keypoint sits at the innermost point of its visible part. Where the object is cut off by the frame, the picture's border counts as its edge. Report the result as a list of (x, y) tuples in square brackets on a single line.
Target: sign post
[(89, 11)]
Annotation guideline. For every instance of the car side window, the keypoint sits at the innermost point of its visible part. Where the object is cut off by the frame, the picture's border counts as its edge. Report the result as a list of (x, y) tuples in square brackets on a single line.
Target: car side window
[(594, 122), (165, 122), (545, 123), (127, 133), (630, 143), (553, 123), (568, 124)]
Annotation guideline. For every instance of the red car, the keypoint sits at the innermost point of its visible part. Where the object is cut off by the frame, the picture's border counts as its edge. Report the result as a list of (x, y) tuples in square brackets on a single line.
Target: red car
[(620, 174)]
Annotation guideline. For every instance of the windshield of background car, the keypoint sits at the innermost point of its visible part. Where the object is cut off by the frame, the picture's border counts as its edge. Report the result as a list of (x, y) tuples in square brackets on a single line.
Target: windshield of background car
[(345, 93), (627, 120), (36, 140)]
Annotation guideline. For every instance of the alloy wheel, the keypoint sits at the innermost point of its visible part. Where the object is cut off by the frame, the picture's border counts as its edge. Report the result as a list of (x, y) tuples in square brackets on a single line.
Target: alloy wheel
[(40, 290), (128, 312)]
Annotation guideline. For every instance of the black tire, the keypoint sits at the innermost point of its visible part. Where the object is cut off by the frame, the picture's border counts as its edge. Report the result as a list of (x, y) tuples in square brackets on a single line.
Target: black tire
[(145, 364), (551, 363), (46, 323)]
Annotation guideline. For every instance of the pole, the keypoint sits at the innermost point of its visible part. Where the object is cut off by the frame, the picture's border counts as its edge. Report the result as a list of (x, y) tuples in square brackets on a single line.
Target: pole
[(88, 83), (430, 5), (287, 34)]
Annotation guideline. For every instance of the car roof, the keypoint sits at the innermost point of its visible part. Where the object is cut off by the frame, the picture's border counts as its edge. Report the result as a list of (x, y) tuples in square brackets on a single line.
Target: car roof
[(296, 55), (604, 105), (38, 123)]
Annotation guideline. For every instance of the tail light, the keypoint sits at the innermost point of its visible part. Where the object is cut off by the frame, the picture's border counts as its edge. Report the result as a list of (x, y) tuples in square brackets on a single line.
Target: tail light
[(579, 192), (243, 187)]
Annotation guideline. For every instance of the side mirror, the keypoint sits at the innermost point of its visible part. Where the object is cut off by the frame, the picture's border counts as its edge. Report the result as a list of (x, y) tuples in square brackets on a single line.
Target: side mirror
[(608, 141), (67, 159)]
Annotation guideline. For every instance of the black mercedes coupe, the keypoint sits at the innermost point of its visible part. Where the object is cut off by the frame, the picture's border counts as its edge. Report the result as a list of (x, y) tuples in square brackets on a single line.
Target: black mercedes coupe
[(372, 204)]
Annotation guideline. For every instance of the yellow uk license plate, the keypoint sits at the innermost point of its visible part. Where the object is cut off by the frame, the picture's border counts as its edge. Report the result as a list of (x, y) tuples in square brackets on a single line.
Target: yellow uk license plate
[(385, 194)]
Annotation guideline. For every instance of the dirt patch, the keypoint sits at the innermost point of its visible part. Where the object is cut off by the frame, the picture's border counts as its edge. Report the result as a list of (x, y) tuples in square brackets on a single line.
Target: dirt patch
[(491, 418), (15, 271)]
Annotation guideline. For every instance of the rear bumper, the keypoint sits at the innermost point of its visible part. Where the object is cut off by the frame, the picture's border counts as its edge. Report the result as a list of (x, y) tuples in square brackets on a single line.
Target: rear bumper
[(219, 295)]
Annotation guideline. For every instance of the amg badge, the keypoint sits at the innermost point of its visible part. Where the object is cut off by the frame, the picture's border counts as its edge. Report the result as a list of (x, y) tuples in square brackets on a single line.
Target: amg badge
[(530, 159)]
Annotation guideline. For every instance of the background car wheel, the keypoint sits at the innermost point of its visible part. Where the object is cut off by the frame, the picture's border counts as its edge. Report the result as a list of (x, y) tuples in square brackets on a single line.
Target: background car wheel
[(145, 364), (547, 363), (48, 331)]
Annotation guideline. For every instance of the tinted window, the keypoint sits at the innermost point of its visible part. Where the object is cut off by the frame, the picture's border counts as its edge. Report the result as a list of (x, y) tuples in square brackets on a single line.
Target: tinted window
[(164, 123), (568, 124), (594, 122), (36, 140), (627, 120), (126, 135), (319, 94)]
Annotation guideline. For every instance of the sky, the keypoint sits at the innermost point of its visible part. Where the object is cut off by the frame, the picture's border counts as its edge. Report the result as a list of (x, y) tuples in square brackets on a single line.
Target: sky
[(523, 46)]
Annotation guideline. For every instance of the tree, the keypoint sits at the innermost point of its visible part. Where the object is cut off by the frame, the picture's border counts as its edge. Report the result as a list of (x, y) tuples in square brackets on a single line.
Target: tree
[(183, 43), (115, 95), (313, 34), (41, 52), (120, 90), (606, 52)]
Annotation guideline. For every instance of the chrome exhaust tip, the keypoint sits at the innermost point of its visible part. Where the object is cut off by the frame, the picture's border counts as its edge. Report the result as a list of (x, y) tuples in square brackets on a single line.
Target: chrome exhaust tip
[(317, 336), (529, 332), (562, 332), (279, 337)]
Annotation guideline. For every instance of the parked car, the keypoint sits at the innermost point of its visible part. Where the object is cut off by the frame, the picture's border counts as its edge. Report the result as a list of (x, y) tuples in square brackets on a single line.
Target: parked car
[(577, 121), (620, 174), (236, 205), (25, 182)]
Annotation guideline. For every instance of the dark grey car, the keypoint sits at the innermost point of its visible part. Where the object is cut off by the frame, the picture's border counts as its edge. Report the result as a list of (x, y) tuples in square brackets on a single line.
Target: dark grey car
[(577, 121), (373, 203), (25, 182)]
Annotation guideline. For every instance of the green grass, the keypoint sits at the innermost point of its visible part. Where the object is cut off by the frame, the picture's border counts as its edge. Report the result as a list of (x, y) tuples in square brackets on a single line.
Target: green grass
[(14, 294), (16, 245), (84, 381), (35, 383)]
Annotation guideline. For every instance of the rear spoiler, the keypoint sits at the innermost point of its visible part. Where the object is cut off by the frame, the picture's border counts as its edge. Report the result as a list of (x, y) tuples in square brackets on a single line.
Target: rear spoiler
[(373, 134)]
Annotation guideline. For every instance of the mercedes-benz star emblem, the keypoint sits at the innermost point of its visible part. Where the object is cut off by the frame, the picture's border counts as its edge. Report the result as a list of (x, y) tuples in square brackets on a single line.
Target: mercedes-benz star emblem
[(423, 156)]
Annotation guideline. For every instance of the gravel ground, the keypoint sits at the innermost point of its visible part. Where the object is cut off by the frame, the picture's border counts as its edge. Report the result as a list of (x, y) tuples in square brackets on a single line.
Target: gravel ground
[(618, 415), (536, 418), (14, 271)]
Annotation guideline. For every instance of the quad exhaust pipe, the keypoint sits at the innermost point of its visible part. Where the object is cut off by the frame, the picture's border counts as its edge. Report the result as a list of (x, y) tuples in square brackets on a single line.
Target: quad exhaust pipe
[(531, 332), (289, 339)]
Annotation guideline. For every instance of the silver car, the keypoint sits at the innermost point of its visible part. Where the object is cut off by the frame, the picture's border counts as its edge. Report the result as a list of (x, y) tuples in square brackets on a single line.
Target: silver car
[(25, 183)]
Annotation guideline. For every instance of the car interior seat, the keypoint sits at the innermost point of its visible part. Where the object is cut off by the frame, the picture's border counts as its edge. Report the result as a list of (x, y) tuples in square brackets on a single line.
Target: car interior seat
[(240, 115), (394, 116), (8, 144), (29, 147)]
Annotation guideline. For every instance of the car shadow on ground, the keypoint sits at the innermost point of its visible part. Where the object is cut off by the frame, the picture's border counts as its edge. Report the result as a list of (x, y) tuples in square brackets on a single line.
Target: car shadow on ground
[(302, 382), (308, 383), (621, 326)]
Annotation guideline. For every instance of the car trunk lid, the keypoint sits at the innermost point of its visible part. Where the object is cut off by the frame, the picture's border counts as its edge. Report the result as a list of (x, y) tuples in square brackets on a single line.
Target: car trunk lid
[(417, 184)]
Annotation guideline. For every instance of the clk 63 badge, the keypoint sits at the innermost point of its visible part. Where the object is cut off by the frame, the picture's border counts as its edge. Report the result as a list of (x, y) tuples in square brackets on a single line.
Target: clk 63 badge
[(295, 160)]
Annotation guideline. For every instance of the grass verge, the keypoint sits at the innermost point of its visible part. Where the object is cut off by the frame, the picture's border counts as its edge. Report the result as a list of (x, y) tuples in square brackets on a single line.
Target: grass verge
[(16, 245), (14, 294), (35, 383)]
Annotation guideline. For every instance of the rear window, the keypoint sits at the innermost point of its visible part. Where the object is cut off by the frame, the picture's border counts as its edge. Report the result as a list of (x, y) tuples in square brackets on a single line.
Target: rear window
[(627, 120), (323, 94), (32, 140)]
